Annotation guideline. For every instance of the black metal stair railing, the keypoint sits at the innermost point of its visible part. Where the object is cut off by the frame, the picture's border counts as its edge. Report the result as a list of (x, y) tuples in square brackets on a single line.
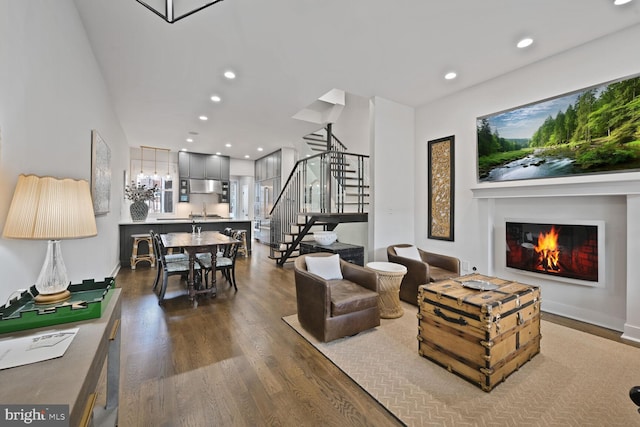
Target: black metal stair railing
[(331, 182)]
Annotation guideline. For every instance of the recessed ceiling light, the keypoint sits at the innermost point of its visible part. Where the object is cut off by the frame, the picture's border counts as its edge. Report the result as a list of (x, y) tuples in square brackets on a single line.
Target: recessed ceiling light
[(246, 156), (621, 2), (230, 74), (184, 149), (203, 118), (227, 145), (189, 139), (216, 98), (525, 42), (450, 75), (218, 153), (260, 148)]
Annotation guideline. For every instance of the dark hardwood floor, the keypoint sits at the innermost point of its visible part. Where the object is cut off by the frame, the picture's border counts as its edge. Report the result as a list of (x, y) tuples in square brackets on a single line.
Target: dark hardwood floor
[(231, 361)]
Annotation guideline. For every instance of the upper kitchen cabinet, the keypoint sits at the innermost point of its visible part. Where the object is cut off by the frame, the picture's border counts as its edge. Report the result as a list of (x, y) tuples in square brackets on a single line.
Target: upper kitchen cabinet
[(197, 165), (217, 167), (203, 166), (183, 164), (268, 167)]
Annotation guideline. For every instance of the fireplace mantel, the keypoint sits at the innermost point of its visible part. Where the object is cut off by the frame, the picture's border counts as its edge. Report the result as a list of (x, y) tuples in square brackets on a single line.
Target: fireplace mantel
[(587, 186)]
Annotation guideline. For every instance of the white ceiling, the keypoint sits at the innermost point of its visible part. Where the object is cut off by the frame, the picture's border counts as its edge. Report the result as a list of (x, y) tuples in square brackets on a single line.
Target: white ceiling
[(287, 53)]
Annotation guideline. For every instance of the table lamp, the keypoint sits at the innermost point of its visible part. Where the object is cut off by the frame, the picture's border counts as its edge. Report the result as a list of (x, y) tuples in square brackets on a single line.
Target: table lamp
[(46, 208)]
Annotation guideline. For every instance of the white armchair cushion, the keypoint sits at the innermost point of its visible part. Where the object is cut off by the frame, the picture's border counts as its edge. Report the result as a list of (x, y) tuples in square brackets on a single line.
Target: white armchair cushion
[(410, 252), (326, 267)]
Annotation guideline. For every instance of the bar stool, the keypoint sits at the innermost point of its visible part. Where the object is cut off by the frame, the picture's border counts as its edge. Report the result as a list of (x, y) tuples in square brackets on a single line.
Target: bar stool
[(242, 236), (149, 257)]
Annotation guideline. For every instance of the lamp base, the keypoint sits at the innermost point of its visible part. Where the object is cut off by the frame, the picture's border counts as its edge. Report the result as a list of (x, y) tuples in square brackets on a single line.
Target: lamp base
[(52, 298)]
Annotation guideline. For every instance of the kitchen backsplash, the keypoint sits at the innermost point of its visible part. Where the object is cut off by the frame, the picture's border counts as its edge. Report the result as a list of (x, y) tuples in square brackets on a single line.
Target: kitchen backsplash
[(199, 202)]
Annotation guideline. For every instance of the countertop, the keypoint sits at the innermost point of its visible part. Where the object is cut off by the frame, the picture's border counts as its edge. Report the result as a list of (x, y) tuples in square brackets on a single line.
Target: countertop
[(182, 221)]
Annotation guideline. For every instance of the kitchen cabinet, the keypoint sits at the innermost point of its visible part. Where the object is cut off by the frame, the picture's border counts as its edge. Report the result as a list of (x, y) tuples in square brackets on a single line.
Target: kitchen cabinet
[(268, 167), (183, 164), (225, 166), (212, 168), (224, 196), (184, 190), (203, 166), (197, 166)]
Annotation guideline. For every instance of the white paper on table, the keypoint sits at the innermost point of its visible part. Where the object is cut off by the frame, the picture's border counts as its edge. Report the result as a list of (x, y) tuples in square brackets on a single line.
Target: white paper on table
[(35, 348)]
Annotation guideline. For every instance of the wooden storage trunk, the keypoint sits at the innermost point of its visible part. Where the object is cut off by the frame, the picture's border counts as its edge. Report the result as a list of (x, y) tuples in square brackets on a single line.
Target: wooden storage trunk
[(481, 335)]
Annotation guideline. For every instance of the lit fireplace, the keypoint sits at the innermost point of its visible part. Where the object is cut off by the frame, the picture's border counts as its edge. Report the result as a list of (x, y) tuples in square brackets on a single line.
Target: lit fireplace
[(548, 251), (561, 250)]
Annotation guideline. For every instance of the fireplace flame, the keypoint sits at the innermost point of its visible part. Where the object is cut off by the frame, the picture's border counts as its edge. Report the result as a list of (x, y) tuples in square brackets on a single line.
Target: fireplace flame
[(547, 250)]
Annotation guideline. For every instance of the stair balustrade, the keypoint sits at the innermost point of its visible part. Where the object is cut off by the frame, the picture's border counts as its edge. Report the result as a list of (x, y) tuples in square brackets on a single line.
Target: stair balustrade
[(321, 191)]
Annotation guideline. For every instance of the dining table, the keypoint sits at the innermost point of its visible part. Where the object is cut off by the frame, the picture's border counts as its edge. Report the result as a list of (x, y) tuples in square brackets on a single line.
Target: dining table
[(193, 244)]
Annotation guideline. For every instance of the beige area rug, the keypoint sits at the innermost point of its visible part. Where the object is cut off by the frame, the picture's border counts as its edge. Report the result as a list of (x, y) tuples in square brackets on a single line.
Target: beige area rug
[(577, 379)]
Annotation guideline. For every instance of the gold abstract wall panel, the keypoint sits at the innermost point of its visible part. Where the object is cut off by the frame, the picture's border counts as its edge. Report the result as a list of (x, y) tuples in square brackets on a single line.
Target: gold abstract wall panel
[(441, 188)]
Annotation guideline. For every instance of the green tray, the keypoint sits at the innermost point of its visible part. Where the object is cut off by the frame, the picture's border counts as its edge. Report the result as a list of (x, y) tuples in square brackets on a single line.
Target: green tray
[(88, 301)]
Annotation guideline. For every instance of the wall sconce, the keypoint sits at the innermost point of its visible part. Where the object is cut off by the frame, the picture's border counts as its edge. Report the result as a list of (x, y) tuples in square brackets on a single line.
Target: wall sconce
[(46, 208), (173, 11)]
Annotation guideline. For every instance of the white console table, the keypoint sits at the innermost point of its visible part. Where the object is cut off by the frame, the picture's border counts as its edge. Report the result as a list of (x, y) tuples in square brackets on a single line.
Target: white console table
[(73, 378)]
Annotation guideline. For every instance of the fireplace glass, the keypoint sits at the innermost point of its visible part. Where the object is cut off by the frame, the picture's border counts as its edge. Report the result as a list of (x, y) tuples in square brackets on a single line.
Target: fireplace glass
[(559, 250)]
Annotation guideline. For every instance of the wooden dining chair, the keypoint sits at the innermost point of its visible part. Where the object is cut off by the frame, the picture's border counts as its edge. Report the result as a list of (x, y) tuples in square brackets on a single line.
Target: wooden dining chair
[(226, 264), (159, 248), (176, 266)]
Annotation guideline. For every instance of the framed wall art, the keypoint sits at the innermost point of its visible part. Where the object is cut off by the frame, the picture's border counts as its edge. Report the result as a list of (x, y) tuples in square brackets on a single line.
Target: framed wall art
[(441, 174), (100, 174), (591, 131)]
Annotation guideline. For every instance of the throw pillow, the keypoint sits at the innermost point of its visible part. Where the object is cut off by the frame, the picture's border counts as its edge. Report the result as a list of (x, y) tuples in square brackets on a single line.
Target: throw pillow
[(410, 252), (326, 267)]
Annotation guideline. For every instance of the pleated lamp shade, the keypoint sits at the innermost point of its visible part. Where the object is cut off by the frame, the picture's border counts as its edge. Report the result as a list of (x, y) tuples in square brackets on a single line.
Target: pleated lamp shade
[(46, 208)]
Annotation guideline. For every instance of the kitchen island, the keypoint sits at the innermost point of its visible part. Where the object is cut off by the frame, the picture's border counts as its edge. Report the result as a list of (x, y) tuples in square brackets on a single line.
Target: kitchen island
[(172, 225)]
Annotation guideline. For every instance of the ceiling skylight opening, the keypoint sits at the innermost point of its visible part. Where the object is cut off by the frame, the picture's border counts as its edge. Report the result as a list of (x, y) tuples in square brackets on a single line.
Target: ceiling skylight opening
[(203, 118), (450, 75), (525, 42), (621, 2), (230, 74), (216, 98)]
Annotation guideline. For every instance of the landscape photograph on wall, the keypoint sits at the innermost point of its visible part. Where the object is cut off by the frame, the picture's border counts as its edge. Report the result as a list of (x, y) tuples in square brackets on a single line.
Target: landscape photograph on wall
[(594, 130)]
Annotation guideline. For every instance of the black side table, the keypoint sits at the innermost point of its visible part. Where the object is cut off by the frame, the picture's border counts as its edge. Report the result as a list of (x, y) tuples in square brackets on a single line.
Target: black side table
[(350, 253)]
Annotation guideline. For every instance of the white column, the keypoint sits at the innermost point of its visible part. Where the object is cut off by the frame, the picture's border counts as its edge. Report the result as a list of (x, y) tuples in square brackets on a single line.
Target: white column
[(632, 325)]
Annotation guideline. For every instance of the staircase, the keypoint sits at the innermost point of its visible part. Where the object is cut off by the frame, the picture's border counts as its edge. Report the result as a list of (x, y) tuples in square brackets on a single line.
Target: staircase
[(322, 191)]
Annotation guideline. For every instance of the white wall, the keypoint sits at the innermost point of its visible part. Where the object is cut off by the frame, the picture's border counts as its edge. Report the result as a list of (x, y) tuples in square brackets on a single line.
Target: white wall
[(479, 222), (391, 218), (51, 95), (352, 127), (241, 167)]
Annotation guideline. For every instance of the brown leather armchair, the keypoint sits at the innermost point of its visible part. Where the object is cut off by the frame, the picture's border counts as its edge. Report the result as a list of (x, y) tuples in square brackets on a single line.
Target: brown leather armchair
[(432, 268), (331, 309)]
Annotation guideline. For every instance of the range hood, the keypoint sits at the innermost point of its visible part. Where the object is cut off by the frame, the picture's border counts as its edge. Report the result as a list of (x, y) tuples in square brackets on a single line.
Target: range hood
[(205, 186)]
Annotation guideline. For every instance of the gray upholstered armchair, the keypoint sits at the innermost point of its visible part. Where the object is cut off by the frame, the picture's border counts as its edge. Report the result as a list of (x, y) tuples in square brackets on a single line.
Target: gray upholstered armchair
[(336, 308), (431, 268)]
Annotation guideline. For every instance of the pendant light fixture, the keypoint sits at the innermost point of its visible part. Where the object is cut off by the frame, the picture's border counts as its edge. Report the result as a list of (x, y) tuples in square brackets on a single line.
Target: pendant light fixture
[(168, 174), (175, 10), (141, 175), (155, 164)]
